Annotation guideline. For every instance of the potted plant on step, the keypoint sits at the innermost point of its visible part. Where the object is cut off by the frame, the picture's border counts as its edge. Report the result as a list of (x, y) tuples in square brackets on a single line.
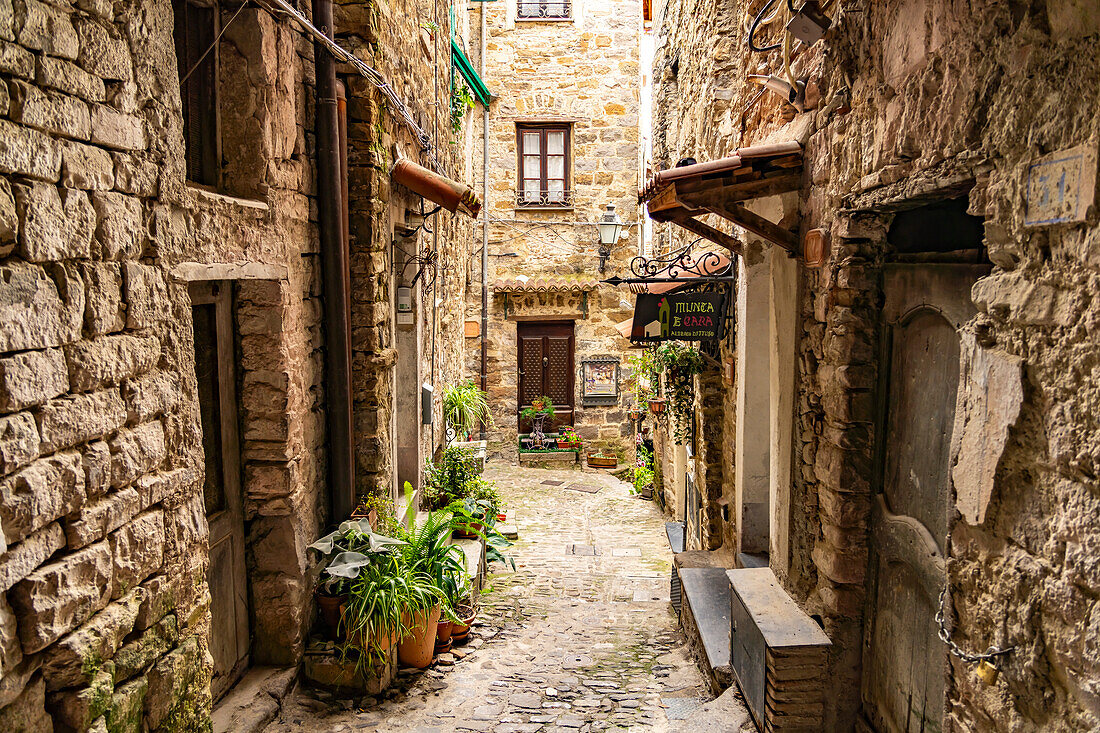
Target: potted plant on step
[(464, 408), (568, 438), (602, 459), (540, 410)]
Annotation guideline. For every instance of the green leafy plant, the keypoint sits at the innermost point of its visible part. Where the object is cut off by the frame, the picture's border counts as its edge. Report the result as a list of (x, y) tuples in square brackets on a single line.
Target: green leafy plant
[(680, 364), (344, 553), (464, 406), (474, 518), (462, 101), (447, 479), (642, 477), (643, 377), (540, 407)]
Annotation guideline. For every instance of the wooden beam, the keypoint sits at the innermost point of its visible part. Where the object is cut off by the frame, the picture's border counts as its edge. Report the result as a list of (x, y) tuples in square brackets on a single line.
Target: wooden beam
[(742, 217), (732, 193), (708, 232)]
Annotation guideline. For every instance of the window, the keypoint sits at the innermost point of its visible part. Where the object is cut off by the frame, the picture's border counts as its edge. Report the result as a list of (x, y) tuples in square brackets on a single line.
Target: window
[(535, 9), (195, 31), (543, 161)]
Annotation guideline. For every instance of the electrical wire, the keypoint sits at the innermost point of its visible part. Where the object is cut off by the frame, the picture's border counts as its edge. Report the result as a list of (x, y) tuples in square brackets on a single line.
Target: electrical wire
[(371, 75), (212, 44), (756, 23)]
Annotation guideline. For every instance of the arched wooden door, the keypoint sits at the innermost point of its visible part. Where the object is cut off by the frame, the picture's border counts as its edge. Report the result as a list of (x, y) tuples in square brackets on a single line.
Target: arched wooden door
[(904, 662)]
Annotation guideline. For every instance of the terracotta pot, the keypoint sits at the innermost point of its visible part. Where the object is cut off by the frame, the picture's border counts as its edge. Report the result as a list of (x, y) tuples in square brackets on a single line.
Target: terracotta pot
[(331, 609), (471, 533), (443, 636), (656, 406), (636, 415), (601, 462), (460, 631), (415, 650)]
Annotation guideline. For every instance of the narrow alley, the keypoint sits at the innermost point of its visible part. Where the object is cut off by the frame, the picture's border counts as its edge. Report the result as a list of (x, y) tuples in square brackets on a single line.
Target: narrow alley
[(580, 638)]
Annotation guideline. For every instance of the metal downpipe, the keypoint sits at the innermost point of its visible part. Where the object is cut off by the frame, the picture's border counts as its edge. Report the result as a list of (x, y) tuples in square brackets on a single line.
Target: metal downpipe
[(335, 274)]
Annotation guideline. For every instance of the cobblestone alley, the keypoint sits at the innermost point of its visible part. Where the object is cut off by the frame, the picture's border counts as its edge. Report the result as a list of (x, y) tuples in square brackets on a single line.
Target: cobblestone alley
[(580, 638)]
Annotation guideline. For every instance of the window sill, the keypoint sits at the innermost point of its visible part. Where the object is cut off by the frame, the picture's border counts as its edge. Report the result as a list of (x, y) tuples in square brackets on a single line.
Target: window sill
[(203, 193), (543, 208)]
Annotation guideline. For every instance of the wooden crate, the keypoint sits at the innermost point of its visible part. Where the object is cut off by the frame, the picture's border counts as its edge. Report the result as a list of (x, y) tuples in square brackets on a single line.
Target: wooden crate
[(779, 654)]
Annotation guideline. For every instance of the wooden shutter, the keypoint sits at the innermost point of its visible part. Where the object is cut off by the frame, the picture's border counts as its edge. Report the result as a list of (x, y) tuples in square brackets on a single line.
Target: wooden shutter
[(195, 30), (530, 359)]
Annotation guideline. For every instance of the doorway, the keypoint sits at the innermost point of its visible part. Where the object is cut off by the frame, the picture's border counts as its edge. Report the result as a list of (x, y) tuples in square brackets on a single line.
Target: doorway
[(904, 662), (215, 370), (546, 368)]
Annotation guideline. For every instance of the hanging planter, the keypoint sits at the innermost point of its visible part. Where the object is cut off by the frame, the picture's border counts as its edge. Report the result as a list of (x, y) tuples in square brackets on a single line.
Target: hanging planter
[(657, 406), (680, 364)]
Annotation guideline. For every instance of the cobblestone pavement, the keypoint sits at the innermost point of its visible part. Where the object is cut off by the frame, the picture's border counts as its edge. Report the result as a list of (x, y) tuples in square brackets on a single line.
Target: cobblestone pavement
[(581, 637)]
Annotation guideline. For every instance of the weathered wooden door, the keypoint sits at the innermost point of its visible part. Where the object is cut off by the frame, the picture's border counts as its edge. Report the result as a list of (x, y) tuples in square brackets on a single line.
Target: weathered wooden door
[(214, 369), (904, 663), (546, 369)]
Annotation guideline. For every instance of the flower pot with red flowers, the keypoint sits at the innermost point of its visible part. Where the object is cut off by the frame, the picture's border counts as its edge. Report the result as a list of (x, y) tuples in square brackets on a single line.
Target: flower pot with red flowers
[(539, 412), (568, 438)]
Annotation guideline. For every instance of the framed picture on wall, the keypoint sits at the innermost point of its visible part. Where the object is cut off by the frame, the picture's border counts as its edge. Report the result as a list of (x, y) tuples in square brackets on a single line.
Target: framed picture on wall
[(600, 381)]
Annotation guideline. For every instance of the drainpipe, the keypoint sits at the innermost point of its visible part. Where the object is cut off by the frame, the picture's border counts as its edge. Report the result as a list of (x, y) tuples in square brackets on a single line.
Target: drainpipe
[(334, 262), (484, 228)]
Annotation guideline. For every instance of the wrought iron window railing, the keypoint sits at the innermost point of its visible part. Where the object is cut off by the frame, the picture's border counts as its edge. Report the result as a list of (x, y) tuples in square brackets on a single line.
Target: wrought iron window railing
[(533, 198), (544, 9)]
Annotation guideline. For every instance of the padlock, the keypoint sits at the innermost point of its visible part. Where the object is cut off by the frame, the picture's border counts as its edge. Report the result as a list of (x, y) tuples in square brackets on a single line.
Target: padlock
[(987, 673)]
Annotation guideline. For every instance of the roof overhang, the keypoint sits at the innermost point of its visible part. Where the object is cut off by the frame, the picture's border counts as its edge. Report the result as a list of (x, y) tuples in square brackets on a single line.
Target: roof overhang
[(682, 195), (562, 284), (469, 73)]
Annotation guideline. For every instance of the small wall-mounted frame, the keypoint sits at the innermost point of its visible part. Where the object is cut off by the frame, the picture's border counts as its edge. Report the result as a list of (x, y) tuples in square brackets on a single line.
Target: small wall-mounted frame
[(600, 381)]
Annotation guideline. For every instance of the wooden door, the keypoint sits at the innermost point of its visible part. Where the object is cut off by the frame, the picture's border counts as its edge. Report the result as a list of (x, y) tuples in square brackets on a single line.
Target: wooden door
[(546, 368), (214, 370), (904, 662)]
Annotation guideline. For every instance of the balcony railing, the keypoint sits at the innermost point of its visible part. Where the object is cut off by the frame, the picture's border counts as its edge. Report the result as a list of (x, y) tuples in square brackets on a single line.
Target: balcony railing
[(536, 199), (535, 9)]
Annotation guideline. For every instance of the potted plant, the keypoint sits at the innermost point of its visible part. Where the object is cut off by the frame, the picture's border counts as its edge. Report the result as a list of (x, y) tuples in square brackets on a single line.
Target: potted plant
[(372, 507), (568, 438), (602, 459), (540, 410), (642, 477), (448, 478), (460, 630), (680, 364), (465, 407), (354, 542)]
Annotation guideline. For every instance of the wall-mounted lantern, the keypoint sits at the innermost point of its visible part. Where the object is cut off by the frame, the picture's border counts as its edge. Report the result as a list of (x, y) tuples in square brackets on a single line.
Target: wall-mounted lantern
[(610, 226)]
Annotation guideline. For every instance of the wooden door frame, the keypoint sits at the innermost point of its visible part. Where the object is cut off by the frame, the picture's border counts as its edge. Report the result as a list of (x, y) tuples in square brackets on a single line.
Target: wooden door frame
[(565, 324), (219, 293)]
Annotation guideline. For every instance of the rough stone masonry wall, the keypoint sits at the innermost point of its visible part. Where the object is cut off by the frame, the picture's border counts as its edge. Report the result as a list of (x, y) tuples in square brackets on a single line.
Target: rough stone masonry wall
[(104, 612), (944, 98), (394, 39), (582, 72)]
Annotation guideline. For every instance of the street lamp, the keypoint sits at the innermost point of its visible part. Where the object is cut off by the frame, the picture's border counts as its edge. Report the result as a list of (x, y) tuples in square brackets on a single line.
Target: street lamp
[(610, 226)]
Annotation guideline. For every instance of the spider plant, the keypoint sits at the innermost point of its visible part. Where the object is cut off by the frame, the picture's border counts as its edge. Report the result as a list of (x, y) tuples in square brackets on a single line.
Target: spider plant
[(464, 406)]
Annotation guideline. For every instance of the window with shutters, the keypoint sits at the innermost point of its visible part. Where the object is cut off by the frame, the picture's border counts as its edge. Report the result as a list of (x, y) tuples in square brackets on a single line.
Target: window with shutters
[(544, 9), (195, 30), (543, 166)]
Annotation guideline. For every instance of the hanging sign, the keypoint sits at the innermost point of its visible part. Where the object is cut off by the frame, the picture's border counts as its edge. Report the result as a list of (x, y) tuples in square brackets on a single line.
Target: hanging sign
[(678, 317)]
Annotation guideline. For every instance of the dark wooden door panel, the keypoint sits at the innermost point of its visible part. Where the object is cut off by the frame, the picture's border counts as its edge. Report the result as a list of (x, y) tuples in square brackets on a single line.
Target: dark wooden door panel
[(904, 663), (216, 375), (546, 365)]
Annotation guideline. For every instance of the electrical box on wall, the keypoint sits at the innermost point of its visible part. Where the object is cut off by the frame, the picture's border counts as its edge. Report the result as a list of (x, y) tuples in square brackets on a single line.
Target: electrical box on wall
[(405, 315), (426, 392)]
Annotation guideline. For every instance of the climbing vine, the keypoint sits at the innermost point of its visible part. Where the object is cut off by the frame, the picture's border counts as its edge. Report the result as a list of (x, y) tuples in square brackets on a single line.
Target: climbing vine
[(462, 101), (680, 364)]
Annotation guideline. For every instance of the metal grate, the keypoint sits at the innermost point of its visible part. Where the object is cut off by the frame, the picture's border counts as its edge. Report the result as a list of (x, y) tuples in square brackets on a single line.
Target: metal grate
[(536, 199), (674, 591), (544, 9)]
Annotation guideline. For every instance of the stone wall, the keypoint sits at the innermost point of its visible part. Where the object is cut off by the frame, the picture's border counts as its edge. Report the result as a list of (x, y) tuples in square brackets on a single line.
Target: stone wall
[(395, 38), (105, 607), (583, 73), (911, 102)]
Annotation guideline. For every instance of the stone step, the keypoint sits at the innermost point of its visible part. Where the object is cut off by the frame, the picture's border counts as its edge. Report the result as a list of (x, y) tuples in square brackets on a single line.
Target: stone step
[(254, 701), (705, 617)]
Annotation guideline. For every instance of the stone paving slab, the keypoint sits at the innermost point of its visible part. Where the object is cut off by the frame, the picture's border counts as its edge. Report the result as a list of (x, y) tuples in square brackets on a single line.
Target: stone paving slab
[(566, 642)]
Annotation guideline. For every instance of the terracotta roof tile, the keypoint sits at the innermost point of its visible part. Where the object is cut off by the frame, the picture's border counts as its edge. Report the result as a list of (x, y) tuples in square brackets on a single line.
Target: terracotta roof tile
[(553, 284)]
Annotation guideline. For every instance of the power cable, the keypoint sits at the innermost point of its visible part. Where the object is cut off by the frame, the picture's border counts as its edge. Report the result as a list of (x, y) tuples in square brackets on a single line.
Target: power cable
[(212, 44)]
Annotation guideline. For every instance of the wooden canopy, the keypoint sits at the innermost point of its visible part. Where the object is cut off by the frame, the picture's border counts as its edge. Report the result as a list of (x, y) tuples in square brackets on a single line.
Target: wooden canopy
[(683, 194)]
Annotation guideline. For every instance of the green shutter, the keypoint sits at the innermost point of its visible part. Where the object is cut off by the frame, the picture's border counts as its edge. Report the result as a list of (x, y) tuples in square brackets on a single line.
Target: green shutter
[(477, 86)]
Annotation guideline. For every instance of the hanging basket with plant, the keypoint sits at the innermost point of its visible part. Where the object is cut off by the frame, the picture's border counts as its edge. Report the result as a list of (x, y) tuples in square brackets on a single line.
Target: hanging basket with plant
[(680, 364)]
